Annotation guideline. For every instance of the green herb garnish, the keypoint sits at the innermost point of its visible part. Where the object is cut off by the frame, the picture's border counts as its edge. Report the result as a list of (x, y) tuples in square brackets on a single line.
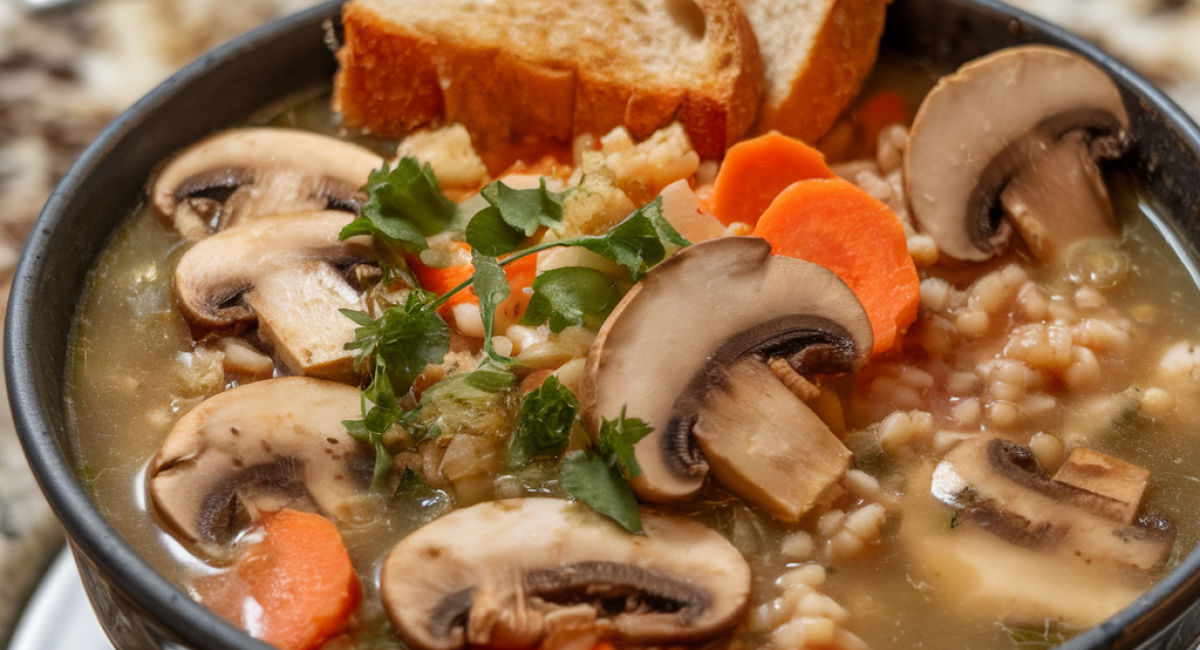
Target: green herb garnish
[(525, 210), (404, 206), (572, 295), (403, 340), (491, 285), (543, 427), (600, 476), (639, 242), (396, 347)]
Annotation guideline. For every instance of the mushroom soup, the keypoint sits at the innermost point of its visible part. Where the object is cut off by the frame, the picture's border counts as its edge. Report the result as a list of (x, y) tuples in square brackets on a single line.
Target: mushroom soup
[(1015, 467)]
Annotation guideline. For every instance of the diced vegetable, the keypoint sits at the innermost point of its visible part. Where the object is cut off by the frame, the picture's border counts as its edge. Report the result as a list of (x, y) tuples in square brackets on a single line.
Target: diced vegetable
[(439, 281), (301, 577), (755, 171), (520, 274), (833, 223), (877, 112)]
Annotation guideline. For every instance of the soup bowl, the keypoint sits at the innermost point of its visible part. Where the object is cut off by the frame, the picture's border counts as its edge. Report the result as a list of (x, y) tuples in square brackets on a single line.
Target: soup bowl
[(291, 59)]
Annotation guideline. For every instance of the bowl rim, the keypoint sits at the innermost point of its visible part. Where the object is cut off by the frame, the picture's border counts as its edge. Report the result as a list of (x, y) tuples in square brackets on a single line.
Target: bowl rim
[(91, 535)]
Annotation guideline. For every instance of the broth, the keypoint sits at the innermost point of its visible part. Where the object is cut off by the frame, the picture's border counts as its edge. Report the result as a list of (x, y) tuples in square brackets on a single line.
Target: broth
[(123, 405)]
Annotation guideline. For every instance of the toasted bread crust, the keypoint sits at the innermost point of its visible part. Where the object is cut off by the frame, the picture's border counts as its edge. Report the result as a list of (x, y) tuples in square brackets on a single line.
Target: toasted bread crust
[(395, 78), (370, 90), (842, 55)]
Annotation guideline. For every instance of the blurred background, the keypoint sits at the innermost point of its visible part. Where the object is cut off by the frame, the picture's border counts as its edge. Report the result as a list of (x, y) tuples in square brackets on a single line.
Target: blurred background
[(66, 71)]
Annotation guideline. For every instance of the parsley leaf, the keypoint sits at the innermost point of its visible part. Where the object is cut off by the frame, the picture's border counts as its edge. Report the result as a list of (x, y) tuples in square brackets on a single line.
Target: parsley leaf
[(571, 295), (600, 485), (491, 286), (488, 233), (396, 346), (491, 375), (513, 215), (617, 439), (381, 415), (524, 210), (404, 206), (639, 242), (543, 427), (600, 476), (404, 339)]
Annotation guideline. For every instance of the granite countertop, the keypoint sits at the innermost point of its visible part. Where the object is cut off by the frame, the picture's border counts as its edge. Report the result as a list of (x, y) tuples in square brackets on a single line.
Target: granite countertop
[(65, 73)]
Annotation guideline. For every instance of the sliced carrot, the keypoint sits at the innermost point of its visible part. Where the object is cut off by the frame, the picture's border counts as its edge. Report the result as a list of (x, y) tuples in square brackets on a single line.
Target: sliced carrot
[(294, 588), (440, 281), (755, 171), (520, 276), (834, 223), (877, 112)]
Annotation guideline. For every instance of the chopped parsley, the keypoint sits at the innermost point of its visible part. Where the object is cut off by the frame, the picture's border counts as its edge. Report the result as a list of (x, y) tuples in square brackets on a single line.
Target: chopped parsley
[(599, 476), (405, 206), (543, 427), (572, 295)]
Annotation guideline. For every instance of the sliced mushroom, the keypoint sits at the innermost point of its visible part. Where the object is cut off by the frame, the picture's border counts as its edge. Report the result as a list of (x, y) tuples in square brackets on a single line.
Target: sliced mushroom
[(686, 352), (257, 448), (1012, 140), (998, 484), (508, 574), (251, 172), (287, 274), (979, 576)]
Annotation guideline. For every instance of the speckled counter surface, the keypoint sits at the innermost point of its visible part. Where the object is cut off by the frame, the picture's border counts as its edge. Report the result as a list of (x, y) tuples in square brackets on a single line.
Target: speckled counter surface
[(65, 73)]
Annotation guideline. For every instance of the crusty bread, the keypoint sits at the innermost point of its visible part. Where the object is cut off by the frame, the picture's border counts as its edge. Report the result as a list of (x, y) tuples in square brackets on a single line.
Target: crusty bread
[(816, 53), (516, 71)]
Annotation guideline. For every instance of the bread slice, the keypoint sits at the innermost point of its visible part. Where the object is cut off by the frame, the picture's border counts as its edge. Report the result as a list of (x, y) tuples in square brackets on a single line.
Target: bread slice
[(521, 71), (817, 54)]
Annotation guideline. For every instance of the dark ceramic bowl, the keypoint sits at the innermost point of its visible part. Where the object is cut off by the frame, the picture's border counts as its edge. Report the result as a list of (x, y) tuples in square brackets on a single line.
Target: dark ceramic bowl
[(291, 58)]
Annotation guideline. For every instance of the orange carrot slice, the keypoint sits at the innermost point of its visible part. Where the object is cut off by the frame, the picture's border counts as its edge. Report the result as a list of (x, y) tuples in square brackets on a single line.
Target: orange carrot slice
[(755, 171), (877, 112), (520, 276), (835, 224), (300, 575), (440, 281)]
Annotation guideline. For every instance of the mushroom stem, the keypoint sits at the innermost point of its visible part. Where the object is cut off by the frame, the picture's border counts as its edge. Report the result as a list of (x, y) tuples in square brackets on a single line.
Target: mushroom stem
[(1059, 198), (783, 457), (1011, 141)]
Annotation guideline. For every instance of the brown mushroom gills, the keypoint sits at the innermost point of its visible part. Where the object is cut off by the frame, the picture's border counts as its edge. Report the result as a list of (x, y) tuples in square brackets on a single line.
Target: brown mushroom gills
[(1013, 139), (246, 173), (259, 448), (663, 358), (557, 568), (283, 273)]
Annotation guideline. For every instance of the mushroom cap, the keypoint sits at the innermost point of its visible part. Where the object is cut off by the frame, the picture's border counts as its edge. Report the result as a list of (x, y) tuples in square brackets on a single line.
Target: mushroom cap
[(287, 274), (259, 447), (965, 141), (507, 573), (705, 307), (246, 173), (213, 275)]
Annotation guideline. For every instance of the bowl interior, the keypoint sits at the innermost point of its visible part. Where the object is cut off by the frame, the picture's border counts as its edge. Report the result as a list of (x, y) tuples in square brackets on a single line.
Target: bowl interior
[(291, 59)]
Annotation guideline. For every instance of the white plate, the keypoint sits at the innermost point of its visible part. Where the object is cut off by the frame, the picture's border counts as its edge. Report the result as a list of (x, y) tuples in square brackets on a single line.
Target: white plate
[(59, 615)]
